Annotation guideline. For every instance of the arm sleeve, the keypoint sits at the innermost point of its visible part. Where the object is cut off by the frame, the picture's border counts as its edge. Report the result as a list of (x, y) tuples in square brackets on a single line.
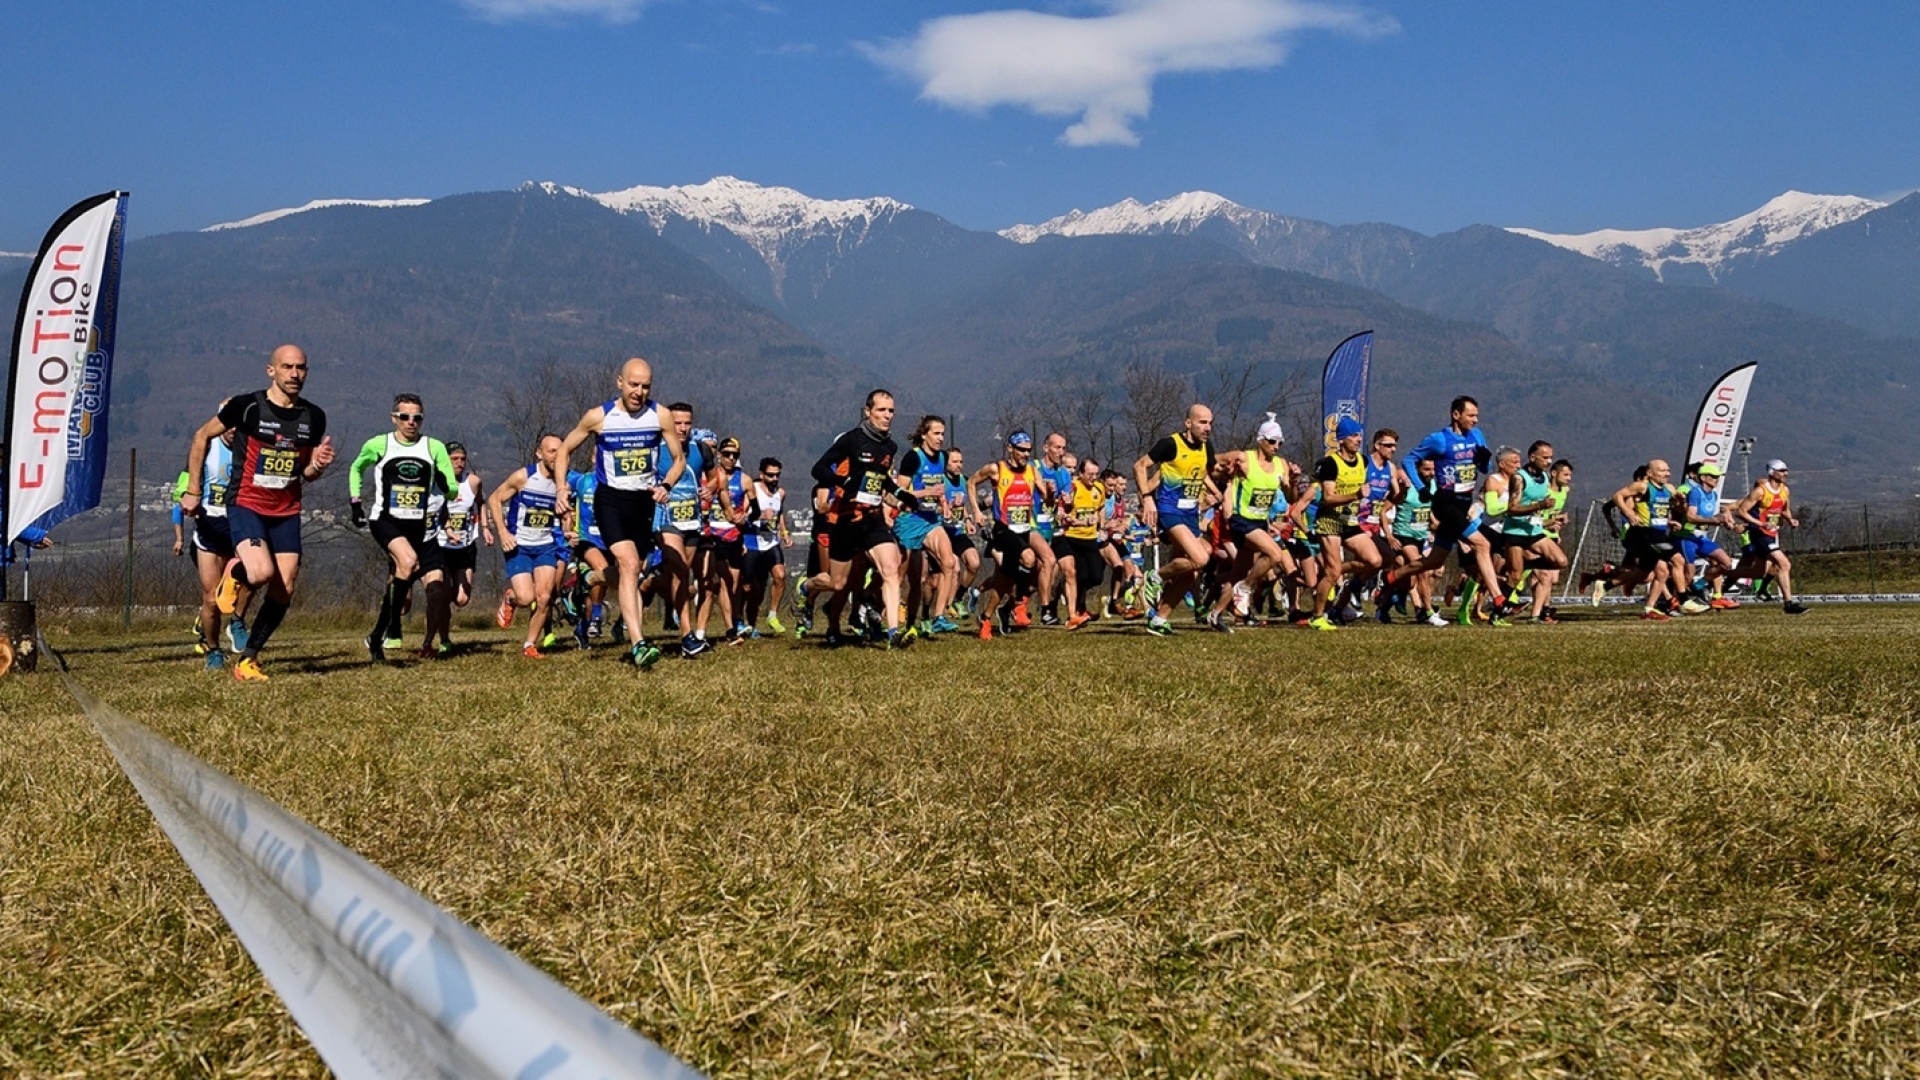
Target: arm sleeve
[(1325, 470), (369, 454), (1427, 448), (1162, 451), (444, 465), (824, 470)]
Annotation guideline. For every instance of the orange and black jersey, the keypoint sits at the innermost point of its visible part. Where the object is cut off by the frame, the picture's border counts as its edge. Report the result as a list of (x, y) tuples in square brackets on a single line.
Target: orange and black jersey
[(858, 467)]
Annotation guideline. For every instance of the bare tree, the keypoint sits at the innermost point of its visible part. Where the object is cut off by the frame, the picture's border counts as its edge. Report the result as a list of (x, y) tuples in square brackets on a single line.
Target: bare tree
[(550, 396), (1156, 402)]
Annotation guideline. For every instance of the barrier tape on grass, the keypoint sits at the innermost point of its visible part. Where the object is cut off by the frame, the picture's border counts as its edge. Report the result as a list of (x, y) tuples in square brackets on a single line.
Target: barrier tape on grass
[(384, 983), (1614, 599)]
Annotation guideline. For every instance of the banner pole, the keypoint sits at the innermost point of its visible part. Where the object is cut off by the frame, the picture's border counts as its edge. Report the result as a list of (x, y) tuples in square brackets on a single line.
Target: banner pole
[(1573, 565), (133, 463)]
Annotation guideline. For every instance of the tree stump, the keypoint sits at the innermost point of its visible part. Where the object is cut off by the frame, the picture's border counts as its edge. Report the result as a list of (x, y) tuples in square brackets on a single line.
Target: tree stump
[(17, 649)]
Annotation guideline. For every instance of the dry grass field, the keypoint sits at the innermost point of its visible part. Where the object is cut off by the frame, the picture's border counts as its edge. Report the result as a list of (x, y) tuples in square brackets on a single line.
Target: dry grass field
[(1599, 849)]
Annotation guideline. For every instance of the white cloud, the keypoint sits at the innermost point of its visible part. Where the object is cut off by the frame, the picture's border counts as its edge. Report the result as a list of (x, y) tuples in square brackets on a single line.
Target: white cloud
[(1102, 67), (613, 11)]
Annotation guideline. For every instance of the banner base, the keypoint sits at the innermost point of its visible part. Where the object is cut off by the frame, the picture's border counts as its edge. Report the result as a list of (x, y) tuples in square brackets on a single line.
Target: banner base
[(18, 650)]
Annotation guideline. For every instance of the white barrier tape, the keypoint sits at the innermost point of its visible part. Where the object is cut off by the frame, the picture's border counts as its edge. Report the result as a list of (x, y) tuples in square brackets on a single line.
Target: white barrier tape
[(384, 983), (1614, 599)]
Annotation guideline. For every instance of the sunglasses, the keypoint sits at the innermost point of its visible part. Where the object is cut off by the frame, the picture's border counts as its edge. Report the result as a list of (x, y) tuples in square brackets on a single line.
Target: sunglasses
[(409, 417)]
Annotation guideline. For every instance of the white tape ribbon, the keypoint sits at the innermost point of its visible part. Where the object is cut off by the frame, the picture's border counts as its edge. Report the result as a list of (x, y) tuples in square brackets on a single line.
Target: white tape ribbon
[(384, 983)]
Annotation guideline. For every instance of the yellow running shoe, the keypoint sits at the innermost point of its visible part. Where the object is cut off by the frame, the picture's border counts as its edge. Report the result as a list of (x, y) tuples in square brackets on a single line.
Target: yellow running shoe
[(227, 596), (248, 670)]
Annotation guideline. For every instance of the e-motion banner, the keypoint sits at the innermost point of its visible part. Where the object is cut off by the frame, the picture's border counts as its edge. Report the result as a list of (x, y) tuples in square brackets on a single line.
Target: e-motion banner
[(1716, 427), (62, 368), (385, 984)]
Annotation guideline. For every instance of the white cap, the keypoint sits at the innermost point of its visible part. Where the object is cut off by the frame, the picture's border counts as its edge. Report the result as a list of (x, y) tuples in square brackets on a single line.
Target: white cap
[(1271, 429), (1776, 465)]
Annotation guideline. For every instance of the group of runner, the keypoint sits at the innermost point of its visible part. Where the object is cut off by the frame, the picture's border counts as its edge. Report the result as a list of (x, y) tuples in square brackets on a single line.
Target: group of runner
[(909, 544)]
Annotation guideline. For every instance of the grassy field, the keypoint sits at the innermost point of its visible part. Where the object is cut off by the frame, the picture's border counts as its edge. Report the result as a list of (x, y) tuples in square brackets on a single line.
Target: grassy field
[(1605, 848)]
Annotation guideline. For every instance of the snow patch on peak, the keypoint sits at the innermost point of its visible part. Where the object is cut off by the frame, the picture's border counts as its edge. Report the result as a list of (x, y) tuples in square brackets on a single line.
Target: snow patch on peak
[(772, 220), (317, 204), (552, 188), (1779, 222), (1180, 215)]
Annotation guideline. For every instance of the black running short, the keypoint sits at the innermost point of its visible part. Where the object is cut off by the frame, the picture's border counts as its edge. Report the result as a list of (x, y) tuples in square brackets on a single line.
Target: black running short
[(1646, 547), (624, 517), (1450, 513), (857, 536), (460, 560), (386, 530)]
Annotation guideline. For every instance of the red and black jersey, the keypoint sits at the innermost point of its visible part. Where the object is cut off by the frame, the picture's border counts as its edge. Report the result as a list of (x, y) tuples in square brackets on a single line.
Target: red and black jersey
[(275, 446)]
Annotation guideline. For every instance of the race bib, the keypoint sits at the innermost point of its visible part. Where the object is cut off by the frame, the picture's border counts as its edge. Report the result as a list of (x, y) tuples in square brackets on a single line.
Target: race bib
[(631, 462), (1464, 477), (538, 517), (1020, 518), (869, 494), (405, 503), (276, 468)]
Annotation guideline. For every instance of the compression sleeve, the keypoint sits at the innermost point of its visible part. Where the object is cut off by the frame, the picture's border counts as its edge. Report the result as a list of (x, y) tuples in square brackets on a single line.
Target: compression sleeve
[(368, 457), (443, 464), (824, 471), (1431, 448)]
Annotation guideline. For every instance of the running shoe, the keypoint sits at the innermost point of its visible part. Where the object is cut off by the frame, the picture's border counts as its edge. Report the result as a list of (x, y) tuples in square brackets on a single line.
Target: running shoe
[(237, 635), (503, 616), (833, 640), (1722, 603), (801, 625), (1794, 607), (226, 596), (1434, 618), (1655, 615), (643, 656), (248, 670), (1242, 599), (199, 648), (901, 639), (547, 640), (691, 646), (1020, 617), (427, 652), (532, 651), (1159, 627), (986, 629), (1384, 614), (944, 625), (1692, 606), (442, 650), (596, 627), (376, 649), (774, 624), (216, 659), (1348, 613), (395, 643), (580, 635), (1321, 622), (1079, 621), (198, 631), (1545, 618), (1218, 624)]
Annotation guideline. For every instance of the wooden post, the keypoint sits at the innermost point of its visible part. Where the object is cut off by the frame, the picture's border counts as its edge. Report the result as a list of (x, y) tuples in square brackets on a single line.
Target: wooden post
[(133, 480)]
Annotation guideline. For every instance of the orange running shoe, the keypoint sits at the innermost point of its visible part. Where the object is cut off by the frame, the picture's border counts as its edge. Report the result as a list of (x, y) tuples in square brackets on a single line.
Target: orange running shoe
[(1020, 616), (532, 651), (504, 616)]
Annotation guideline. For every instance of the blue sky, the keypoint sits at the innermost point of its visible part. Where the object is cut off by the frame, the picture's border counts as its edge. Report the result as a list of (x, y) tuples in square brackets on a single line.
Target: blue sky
[(1560, 116)]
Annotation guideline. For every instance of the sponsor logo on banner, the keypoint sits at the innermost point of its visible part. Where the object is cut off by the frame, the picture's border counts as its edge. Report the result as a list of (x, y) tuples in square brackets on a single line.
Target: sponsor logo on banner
[(1716, 427)]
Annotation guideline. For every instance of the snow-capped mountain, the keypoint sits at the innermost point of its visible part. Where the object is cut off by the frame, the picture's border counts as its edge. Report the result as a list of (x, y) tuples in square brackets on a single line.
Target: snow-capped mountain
[(772, 220), (1683, 254), (1180, 215), (317, 204)]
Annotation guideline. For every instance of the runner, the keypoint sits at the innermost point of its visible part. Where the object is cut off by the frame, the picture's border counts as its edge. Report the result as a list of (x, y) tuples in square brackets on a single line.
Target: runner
[(965, 552), (1016, 488), (1175, 478), (933, 571), (629, 484), (591, 559), (1341, 477), (283, 446), (729, 505), (1765, 507), (1647, 506), (213, 550), (1412, 533), (857, 469), (1700, 510), (764, 578), (1083, 519), (1459, 453), (1056, 482), (400, 470), (1530, 551), (524, 509), (455, 525), (1260, 475)]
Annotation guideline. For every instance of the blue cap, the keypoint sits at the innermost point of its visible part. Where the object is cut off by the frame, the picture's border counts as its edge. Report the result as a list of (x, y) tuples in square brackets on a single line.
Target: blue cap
[(1020, 439), (1349, 428)]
